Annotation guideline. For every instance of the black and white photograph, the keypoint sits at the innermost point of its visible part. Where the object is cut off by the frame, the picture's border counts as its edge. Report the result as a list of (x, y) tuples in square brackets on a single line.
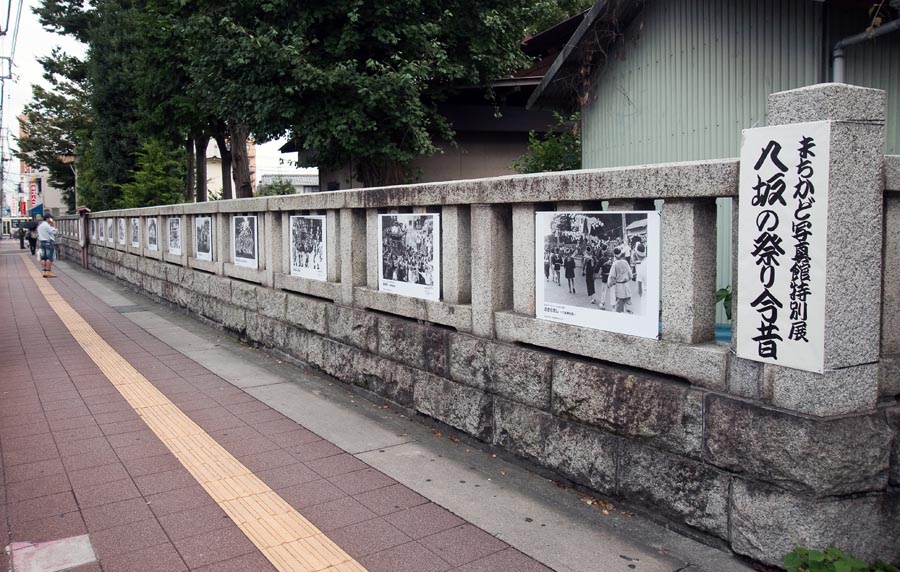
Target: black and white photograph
[(152, 234), (599, 270), (94, 230), (102, 233), (244, 243), (409, 255), (174, 235), (308, 247), (203, 237), (135, 233), (121, 229)]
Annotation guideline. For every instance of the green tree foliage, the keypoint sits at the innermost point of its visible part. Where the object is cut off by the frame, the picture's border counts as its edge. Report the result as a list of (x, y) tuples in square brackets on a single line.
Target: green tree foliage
[(158, 178), (353, 81), (56, 120), (557, 150), (276, 187), (548, 13), (114, 47)]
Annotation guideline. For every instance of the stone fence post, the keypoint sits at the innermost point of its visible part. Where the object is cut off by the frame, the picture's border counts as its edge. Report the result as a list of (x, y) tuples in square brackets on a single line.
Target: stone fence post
[(854, 251)]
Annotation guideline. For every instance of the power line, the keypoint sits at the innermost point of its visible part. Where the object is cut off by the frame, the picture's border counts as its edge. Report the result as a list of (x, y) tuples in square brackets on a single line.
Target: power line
[(12, 53)]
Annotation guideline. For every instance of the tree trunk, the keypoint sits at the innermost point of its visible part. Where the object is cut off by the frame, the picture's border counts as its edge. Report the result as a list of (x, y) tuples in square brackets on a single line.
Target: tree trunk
[(380, 172), (226, 165), (201, 142), (240, 161), (189, 180)]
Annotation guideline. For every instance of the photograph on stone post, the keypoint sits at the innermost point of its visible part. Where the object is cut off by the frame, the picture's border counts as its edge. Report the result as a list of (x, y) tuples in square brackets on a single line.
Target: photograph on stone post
[(152, 234), (244, 241), (599, 270), (135, 233), (409, 255), (120, 228), (94, 229), (308, 247), (173, 224), (203, 237), (102, 230)]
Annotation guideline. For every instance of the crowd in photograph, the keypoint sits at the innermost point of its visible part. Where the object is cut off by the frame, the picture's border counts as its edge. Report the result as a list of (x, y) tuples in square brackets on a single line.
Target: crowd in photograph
[(308, 246), (617, 263), (407, 253)]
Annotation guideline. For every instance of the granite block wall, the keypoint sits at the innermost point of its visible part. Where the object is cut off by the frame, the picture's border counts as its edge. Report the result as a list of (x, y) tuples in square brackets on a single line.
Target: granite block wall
[(758, 478)]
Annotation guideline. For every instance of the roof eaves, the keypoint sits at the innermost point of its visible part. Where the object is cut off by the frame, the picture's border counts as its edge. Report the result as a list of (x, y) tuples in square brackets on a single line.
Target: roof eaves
[(597, 11)]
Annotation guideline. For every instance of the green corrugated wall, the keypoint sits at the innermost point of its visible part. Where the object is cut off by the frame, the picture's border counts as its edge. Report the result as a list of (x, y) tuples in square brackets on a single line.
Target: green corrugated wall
[(688, 75)]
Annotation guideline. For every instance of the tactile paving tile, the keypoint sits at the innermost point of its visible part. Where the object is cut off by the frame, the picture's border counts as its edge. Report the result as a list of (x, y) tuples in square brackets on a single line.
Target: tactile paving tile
[(283, 535)]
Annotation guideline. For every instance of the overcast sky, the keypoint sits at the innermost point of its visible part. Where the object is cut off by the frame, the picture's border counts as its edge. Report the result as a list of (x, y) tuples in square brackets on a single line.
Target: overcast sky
[(35, 42)]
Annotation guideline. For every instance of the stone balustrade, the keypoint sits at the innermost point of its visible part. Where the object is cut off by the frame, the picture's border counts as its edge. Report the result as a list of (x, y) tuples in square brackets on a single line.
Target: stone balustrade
[(761, 457)]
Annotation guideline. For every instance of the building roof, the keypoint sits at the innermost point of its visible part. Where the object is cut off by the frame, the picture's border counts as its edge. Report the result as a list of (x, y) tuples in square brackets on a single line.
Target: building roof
[(297, 180), (613, 13), (599, 29)]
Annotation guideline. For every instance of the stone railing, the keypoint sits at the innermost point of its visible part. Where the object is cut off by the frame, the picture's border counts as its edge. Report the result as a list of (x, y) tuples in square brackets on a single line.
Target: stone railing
[(760, 456)]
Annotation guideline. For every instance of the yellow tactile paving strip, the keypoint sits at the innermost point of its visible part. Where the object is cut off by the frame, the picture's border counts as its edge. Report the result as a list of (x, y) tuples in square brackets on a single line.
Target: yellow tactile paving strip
[(284, 536)]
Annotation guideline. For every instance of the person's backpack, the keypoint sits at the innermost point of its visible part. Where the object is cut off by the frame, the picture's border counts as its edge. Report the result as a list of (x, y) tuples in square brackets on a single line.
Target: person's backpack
[(33, 234)]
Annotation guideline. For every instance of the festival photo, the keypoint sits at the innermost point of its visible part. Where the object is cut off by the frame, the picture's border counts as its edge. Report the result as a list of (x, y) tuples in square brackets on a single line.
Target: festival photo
[(203, 237), (244, 243), (94, 230), (599, 270), (308, 247), (409, 255), (135, 233), (152, 234), (174, 235)]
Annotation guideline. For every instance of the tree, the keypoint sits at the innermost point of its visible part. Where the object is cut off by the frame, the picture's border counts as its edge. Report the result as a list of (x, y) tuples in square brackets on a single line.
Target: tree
[(557, 150), (158, 177), (352, 81), (548, 13), (277, 187), (56, 121)]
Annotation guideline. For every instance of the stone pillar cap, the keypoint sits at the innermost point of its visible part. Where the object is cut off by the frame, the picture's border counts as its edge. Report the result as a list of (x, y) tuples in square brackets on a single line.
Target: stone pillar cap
[(827, 101)]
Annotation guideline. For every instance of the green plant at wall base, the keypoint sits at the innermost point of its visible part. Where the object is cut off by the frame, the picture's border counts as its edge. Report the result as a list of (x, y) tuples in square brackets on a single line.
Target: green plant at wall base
[(557, 150), (830, 560), (724, 295)]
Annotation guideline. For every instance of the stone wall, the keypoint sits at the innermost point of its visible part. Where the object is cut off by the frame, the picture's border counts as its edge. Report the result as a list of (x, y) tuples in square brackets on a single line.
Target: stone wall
[(759, 478), (757, 457)]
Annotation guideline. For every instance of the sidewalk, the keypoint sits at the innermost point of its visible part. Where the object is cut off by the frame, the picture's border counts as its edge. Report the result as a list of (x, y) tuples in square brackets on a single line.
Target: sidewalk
[(79, 457)]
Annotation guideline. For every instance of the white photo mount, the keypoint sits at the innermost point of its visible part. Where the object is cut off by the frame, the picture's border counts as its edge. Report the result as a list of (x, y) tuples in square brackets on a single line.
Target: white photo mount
[(245, 241), (565, 241), (203, 238), (409, 255), (309, 247)]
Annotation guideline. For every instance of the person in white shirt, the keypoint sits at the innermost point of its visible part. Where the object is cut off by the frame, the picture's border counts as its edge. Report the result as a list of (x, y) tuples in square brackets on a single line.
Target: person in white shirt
[(47, 238)]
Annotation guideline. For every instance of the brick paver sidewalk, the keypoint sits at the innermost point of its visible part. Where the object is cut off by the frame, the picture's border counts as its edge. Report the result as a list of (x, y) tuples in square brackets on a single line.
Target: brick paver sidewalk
[(77, 458)]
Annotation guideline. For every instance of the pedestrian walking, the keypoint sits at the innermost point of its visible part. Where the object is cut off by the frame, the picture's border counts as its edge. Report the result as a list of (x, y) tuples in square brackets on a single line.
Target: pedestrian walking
[(620, 278), (569, 266), (32, 240), (588, 270), (547, 265), (556, 260), (21, 234), (46, 234)]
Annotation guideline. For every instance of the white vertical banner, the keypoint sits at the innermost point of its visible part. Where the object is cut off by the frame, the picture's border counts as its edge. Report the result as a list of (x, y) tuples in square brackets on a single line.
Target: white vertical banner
[(782, 236)]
